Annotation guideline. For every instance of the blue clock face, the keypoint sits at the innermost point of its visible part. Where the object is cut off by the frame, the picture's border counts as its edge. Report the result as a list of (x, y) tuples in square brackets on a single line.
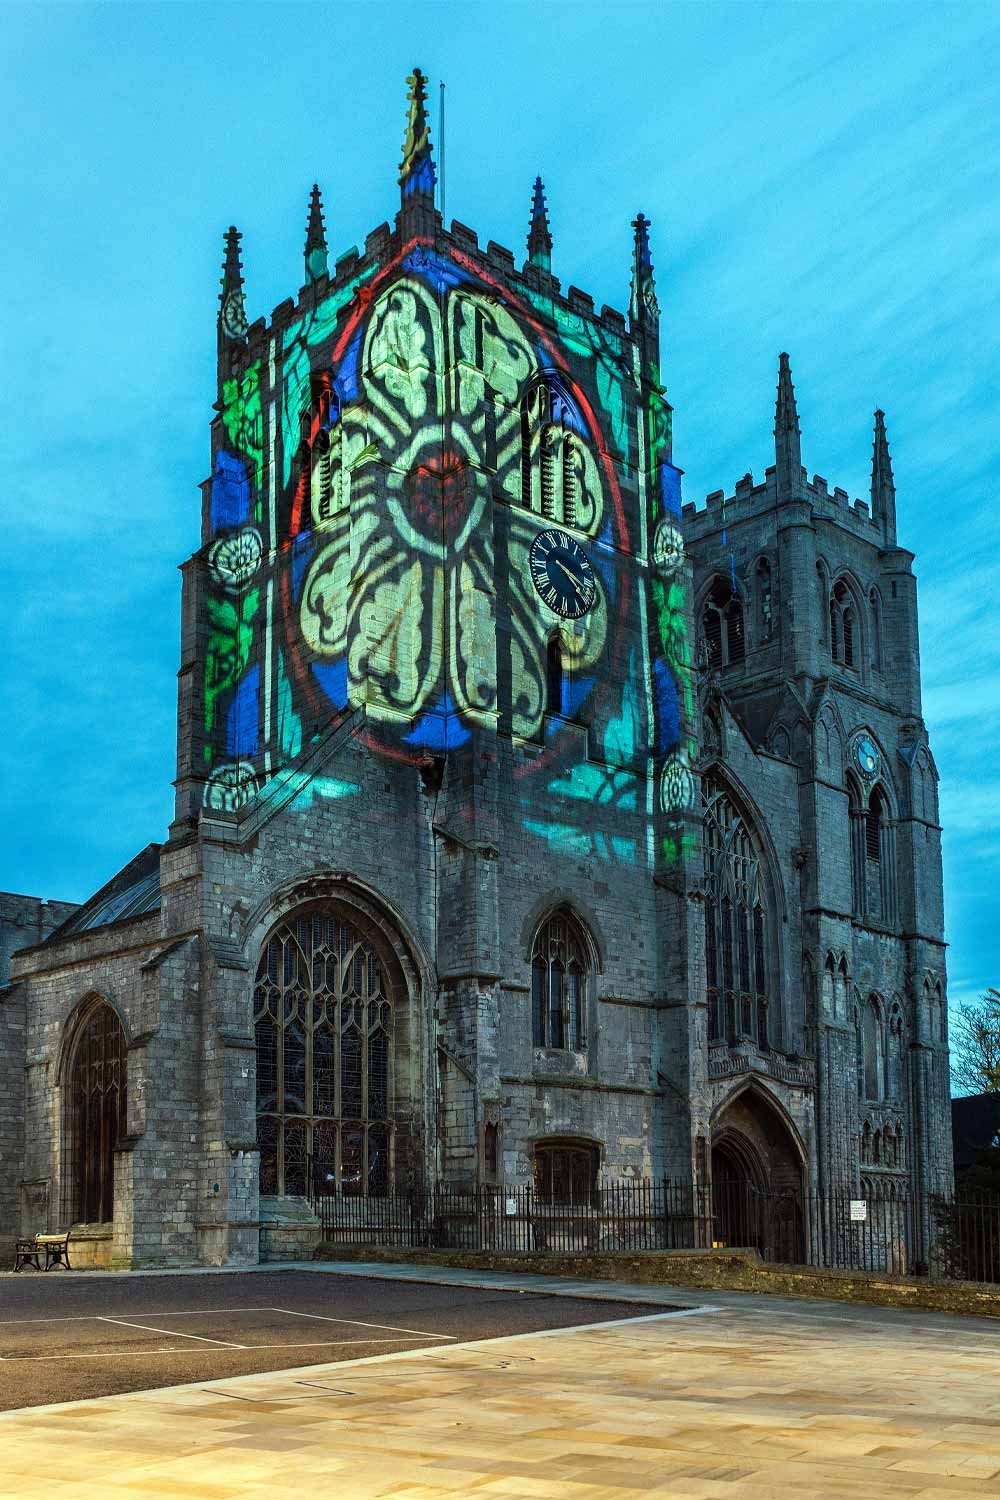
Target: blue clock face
[(562, 574), (866, 754)]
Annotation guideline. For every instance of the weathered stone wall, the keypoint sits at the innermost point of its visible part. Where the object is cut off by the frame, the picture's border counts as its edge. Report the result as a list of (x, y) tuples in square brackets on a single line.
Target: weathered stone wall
[(25, 921)]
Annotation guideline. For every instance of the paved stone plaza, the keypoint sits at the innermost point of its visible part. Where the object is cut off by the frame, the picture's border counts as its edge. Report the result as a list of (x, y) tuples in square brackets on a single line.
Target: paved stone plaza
[(755, 1398)]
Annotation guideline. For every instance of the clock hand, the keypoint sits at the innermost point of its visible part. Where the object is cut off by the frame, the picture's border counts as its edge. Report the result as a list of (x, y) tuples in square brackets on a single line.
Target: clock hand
[(568, 572)]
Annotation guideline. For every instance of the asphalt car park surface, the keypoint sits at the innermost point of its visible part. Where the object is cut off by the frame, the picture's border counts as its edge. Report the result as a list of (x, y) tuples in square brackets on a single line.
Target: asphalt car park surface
[(66, 1337)]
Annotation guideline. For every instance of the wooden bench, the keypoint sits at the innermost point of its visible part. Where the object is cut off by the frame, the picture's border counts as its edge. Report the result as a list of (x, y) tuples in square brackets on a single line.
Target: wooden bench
[(55, 1248)]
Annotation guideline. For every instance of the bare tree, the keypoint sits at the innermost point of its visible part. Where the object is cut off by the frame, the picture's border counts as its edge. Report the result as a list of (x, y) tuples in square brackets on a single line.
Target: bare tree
[(975, 1046)]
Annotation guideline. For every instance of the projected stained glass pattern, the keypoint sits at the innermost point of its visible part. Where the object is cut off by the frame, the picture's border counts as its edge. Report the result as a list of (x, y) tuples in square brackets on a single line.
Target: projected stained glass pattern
[(428, 424)]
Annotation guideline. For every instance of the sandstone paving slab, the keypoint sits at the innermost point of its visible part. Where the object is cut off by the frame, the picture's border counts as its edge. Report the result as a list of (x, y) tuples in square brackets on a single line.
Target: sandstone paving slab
[(815, 1410)]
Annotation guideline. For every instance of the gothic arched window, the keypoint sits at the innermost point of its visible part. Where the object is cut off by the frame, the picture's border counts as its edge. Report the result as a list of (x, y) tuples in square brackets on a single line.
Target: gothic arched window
[(843, 625), (823, 588), (857, 829), (829, 988), (873, 1050), (97, 1113), (878, 859), (894, 1054), (765, 601), (323, 1005), (875, 608), (556, 478), (736, 925), (722, 626), (323, 479), (559, 972)]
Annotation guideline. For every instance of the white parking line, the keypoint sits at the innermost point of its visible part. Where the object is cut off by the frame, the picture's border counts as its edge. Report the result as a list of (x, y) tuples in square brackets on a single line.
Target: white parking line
[(357, 1323), (186, 1312), (171, 1333), (20, 1359)]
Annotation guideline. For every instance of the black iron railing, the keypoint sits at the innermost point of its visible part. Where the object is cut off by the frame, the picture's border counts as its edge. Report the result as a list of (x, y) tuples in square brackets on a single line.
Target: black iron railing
[(897, 1235)]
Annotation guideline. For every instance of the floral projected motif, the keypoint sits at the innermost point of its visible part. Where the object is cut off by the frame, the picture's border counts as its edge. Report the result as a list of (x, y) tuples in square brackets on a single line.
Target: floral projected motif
[(234, 559), (391, 590), (416, 508), (230, 786)]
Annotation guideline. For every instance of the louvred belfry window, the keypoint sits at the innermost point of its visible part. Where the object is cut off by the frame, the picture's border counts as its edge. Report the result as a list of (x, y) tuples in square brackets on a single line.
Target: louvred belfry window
[(736, 925), (722, 626), (324, 1031)]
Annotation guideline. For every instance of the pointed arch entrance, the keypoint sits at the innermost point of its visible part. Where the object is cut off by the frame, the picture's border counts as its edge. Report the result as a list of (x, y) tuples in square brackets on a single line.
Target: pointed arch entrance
[(757, 1177)]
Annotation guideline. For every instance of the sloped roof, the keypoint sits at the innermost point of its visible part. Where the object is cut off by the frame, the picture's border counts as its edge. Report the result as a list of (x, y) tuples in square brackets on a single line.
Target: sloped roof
[(134, 891)]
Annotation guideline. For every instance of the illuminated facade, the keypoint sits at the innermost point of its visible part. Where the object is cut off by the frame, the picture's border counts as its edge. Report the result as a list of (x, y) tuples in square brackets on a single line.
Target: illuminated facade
[(529, 826)]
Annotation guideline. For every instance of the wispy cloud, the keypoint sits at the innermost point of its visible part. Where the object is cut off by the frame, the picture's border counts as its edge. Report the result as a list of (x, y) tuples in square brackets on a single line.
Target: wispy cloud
[(820, 179)]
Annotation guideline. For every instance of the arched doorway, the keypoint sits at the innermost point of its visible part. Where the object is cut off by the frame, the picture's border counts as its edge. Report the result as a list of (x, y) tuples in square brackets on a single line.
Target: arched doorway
[(757, 1179), (96, 1115)]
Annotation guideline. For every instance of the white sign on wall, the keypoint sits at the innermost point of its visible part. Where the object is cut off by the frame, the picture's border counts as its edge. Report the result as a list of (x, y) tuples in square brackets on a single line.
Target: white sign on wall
[(859, 1210)]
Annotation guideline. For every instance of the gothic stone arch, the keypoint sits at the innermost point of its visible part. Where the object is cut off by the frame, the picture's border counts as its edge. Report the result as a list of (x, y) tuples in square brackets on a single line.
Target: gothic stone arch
[(758, 1174), (341, 1028)]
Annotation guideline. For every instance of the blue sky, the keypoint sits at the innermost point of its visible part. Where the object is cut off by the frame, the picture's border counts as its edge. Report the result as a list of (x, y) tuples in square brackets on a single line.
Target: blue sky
[(820, 178)]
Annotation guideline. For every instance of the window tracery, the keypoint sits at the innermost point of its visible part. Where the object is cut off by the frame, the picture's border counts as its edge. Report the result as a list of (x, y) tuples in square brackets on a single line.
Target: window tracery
[(324, 1032), (98, 1095), (873, 854), (736, 925), (557, 478), (723, 627), (559, 974), (843, 625)]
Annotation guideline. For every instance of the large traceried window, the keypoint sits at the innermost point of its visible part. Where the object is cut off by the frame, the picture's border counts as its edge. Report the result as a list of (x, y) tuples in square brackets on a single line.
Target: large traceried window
[(324, 1033), (559, 972), (97, 1112), (736, 925)]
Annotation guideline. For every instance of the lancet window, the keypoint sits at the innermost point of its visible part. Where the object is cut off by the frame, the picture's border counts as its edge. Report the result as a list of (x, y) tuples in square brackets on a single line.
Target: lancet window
[(559, 973), (843, 626), (97, 1113), (736, 925), (321, 454)]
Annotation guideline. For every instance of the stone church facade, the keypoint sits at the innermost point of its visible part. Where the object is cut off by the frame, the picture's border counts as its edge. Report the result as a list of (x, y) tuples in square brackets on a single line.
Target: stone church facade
[(531, 827)]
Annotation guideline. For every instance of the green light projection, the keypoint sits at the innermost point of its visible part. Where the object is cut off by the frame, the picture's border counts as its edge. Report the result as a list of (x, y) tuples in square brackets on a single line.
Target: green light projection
[(429, 424)]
